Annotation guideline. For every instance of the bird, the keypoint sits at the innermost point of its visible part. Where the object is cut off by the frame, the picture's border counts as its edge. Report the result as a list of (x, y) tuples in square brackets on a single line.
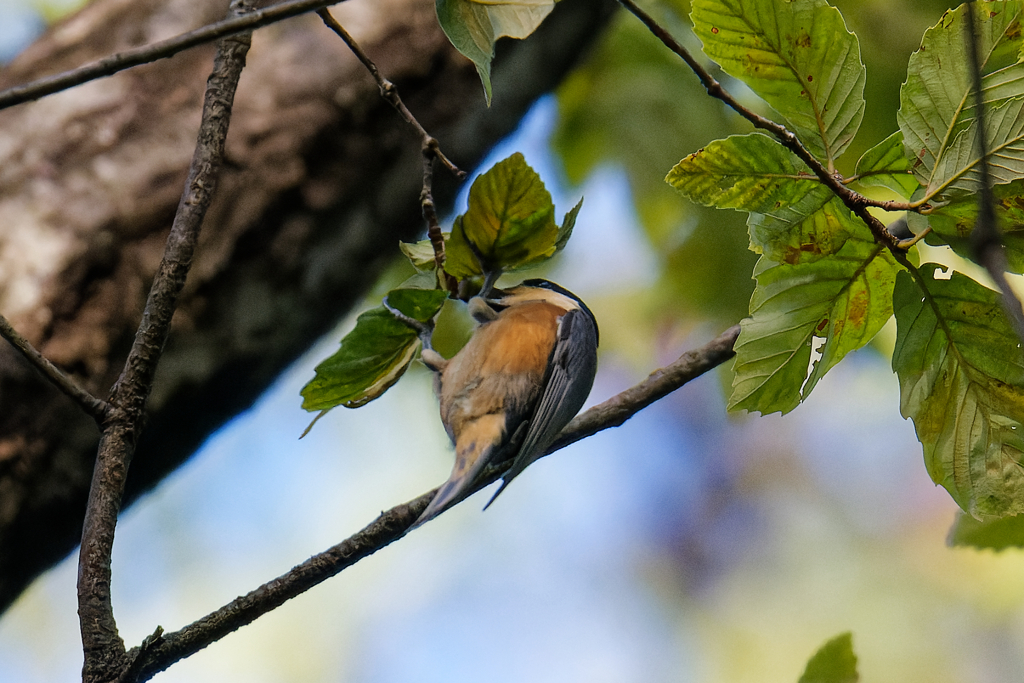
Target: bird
[(523, 375)]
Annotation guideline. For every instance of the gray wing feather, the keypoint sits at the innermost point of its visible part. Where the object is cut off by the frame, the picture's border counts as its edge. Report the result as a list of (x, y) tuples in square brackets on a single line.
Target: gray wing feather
[(566, 387)]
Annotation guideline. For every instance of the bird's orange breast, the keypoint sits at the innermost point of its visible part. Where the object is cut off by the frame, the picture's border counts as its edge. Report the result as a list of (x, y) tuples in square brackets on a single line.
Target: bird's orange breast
[(502, 364)]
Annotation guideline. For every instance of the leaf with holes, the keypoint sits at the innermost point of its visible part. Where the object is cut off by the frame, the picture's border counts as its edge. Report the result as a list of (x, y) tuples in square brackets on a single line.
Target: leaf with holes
[(937, 114), (844, 298), (798, 56), (961, 376)]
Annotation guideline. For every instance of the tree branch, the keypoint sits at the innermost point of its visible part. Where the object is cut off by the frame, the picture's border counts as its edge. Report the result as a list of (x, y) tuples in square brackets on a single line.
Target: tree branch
[(159, 50), (161, 651), (985, 238), (854, 201), (105, 656), (95, 407), (389, 92), (430, 146)]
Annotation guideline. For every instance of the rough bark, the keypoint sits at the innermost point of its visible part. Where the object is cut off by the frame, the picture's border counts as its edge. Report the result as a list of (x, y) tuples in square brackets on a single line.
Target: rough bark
[(322, 179)]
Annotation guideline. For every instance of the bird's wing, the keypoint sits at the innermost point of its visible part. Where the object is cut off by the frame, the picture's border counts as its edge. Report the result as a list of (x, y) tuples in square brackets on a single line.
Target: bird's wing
[(568, 382)]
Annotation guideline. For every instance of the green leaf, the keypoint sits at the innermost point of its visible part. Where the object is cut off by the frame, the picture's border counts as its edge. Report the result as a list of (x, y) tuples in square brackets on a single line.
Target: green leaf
[(937, 113), (796, 55), (420, 254), (812, 227), (568, 223), (844, 298), (994, 533), (746, 172), (460, 260), (835, 662), (887, 165), (418, 304), (374, 355), (509, 223), (473, 26), (954, 222), (962, 382)]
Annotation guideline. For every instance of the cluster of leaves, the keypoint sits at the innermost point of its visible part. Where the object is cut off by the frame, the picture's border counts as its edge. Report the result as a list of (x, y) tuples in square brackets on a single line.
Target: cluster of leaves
[(509, 226), (824, 285)]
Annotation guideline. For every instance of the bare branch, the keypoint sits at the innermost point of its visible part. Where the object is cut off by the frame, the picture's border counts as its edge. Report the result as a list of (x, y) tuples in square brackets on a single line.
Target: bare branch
[(159, 50), (985, 238), (856, 202), (105, 656), (95, 407), (451, 285), (160, 652), (430, 145), (389, 92)]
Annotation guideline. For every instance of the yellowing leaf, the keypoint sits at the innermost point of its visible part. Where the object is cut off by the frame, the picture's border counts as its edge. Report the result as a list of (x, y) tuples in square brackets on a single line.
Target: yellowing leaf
[(844, 298), (420, 254), (798, 56), (746, 172), (509, 224), (961, 378)]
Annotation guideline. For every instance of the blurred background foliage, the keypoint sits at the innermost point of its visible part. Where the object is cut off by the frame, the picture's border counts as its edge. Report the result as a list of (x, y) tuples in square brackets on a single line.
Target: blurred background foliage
[(687, 545)]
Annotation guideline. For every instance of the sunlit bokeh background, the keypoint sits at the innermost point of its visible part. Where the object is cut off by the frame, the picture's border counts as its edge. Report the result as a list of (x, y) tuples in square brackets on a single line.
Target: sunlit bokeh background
[(686, 545)]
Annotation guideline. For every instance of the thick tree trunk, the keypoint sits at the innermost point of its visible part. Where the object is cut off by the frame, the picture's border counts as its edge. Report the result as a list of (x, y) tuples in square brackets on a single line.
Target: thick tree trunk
[(322, 180)]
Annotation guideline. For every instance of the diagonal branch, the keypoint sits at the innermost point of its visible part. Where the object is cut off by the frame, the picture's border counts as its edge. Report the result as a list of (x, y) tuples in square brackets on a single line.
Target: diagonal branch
[(159, 50), (105, 656), (389, 92), (854, 201), (95, 407), (161, 651), (430, 145)]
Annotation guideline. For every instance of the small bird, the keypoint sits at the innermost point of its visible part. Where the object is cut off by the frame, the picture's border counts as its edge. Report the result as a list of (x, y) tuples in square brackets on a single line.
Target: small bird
[(523, 375)]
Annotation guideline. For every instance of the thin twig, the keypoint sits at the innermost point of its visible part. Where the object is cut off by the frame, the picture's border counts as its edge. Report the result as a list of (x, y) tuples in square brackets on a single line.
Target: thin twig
[(985, 238), (145, 54), (389, 92), (856, 202), (393, 524), (911, 241), (95, 407), (105, 656), (451, 285), (430, 146)]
